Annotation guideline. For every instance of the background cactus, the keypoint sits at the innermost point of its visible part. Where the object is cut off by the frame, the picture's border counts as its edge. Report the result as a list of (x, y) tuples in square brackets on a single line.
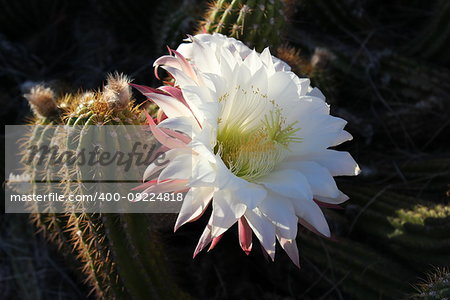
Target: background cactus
[(260, 24), (437, 286), (384, 67)]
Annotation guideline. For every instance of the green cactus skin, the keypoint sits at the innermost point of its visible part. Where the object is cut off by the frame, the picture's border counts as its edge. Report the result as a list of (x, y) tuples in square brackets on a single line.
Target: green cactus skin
[(259, 24), (413, 230), (121, 254), (436, 287)]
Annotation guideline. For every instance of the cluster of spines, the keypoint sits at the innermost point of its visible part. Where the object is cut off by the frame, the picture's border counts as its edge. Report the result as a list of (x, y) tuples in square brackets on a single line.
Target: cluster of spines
[(436, 287)]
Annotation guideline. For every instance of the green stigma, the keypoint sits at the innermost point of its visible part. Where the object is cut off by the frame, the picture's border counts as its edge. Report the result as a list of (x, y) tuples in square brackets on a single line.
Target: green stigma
[(251, 154)]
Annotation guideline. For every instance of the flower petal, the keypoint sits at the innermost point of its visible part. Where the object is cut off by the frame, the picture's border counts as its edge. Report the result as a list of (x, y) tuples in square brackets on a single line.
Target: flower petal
[(226, 212), (245, 235), (179, 167), (337, 162), (281, 213), (318, 177), (167, 186), (309, 211), (288, 183), (290, 246), (204, 240), (163, 137), (263, 229), (194, 205)]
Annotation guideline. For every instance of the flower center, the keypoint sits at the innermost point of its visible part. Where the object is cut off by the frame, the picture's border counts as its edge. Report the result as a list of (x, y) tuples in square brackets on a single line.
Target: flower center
[(252, 144)]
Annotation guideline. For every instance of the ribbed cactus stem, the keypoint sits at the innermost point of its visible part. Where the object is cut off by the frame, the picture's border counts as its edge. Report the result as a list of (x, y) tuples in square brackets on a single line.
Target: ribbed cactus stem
[(259, 24), (90, 243), (121, 255)]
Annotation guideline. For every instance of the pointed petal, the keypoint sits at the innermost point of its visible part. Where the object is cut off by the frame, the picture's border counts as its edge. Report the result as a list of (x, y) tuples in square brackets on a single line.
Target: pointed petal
[(290, 246), (253, 62), (309, 211), (333, 201), (214, 242), (162, 137), (318, 177), (263, 229), (157, 164), (338, 163), (179, 167), (174, 92), (245, 235), (167, 186), (311, 228), (194, 205), (204, 240), (226, 212), (327, 205), (282, 215), (182, 124), (288, 183), (171, 106)]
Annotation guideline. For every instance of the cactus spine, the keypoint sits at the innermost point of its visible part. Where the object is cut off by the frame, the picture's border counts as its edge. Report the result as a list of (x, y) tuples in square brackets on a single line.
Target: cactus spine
[(121, 254), (436, 287), (259, 24)]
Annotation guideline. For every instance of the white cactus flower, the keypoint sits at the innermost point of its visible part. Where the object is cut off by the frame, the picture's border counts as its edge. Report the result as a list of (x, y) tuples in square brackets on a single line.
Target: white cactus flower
[(254, 144)]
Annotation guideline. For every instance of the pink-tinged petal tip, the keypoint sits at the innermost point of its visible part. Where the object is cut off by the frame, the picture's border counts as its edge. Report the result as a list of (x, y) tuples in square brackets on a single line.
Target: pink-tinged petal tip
[(214, 242), (245, 235)]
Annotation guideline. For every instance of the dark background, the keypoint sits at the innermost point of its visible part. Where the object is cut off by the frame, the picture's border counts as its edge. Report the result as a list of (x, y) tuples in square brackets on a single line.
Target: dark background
[(384, 67)]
